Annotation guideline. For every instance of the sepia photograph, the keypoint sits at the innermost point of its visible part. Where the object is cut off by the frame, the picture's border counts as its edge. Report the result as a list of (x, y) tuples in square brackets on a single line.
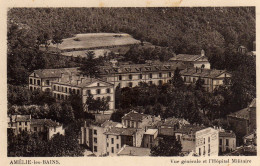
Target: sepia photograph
[(131, 81)]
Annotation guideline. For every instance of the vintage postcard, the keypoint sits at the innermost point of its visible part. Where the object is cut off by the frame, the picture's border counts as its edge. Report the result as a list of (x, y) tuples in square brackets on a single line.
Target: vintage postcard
[(143, 83)]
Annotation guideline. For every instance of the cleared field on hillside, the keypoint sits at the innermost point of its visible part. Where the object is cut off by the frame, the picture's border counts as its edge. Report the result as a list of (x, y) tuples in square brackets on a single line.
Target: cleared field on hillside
[(96, 40)]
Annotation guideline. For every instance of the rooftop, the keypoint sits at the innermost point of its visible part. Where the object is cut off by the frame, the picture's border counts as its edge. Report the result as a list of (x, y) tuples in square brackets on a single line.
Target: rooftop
[(186, 57), (21, 118), (243, 114), (134, 116), (227, 134), (190, 129), (44, 122), (109, 123), (55, 73), (121, 131), (151, 131), (133, 151), (136, 68), (210, 73), (79, 81), (172, 121)]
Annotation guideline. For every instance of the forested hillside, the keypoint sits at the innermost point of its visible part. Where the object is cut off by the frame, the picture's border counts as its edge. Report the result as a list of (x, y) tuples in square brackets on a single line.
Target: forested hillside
[(184, 29), (219, 31)]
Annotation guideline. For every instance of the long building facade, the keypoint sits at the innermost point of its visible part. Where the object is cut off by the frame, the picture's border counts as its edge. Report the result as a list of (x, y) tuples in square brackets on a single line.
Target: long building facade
[(212, 78), (131, 75)]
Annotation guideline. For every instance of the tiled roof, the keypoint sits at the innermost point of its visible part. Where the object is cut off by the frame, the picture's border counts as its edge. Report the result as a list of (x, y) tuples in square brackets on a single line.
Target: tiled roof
[(79, 81), (172, 121), (134, 151), (135, 116), (121, 131), (21, 118), (55, 73), (109, 123), (185, 57), (44, 122), (190, 128), (243, 114), (210, 73), (227, 134), (137, 68)]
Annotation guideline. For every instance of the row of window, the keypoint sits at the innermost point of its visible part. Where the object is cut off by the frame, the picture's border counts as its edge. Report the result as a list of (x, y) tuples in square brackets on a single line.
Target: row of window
[(77, 91), (112, 149), (130, 84), (98, 91), (190, 79), (206, 80), (65, 97), (35, 82), (34, 129), (25, 123), (60, 96), (112, 139), (227, 142), (140, 76), (204, 150), (65, 89)]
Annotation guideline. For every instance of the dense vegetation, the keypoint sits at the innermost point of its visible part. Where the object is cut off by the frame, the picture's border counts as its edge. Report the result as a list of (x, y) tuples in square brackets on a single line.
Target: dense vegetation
[(167, 146), (34, 145)]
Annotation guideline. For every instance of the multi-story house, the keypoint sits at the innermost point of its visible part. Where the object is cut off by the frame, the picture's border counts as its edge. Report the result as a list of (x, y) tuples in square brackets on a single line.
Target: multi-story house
[(42, 78), (19, 123), (149, 138), (138, 120), (48, 126), (130, 75), (227, 141), (203, 141), (116, 138), (93, 136), (83, 86), (212, 78), (243, 122), (200, 61)]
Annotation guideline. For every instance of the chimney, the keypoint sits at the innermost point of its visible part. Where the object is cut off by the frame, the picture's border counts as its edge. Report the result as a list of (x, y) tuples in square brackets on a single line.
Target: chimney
[(62, 75), (78, 82), (196, 69), (202, 53)]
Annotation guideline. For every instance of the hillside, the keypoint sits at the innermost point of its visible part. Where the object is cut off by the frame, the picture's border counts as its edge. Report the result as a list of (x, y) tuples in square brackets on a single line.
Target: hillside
[(219, 31), (185, 29)]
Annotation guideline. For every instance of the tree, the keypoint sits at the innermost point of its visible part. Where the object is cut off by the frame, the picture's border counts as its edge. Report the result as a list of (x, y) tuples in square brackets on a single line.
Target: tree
[(57, 38), (75, 101), (177, 80), (199, 84), (96, 105), (90, 66), (168, 146), (117, 115), (64, 146)]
